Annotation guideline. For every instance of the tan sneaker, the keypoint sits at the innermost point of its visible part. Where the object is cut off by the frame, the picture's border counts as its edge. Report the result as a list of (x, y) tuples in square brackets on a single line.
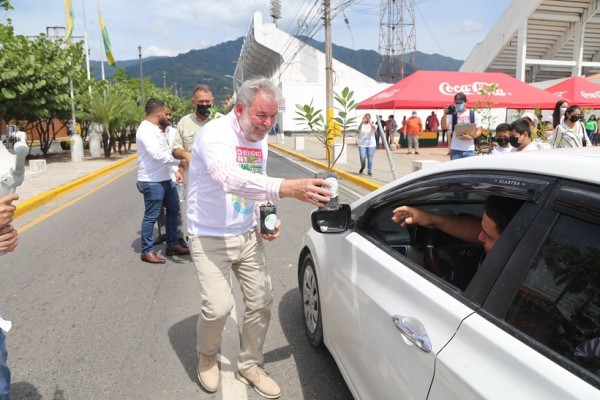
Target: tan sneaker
[(256, 377), (208, 372)]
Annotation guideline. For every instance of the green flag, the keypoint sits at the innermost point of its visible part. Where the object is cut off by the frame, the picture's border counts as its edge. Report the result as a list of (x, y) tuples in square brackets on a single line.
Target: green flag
[(70, 18), (109, 55)]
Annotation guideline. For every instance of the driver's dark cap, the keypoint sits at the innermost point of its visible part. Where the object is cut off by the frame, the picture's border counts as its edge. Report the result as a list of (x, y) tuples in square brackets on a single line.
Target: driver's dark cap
[(460, 97)]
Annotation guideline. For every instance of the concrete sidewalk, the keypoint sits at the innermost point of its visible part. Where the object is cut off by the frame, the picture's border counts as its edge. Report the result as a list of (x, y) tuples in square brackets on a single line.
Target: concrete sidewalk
[(63, 175)]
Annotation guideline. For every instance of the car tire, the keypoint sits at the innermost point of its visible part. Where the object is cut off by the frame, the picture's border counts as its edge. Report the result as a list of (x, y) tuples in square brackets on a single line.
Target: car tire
[(311, 302)]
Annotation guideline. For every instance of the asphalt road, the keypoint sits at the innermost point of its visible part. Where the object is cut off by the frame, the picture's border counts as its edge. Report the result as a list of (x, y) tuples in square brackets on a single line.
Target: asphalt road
[(91, 321)]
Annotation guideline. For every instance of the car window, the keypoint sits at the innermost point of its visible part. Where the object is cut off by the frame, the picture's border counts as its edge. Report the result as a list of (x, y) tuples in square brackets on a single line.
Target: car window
[(433, 251), (558, 302)]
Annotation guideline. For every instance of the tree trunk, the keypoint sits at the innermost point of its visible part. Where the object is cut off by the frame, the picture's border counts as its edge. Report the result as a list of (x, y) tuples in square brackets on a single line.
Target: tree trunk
[(106, 145)]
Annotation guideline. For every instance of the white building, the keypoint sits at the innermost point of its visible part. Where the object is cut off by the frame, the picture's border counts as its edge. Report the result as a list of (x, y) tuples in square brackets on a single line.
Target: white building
[(298, 69), (538, 40)]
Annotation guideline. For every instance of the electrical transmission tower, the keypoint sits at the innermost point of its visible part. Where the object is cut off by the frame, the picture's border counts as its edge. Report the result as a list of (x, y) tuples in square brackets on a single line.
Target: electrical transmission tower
[(397, 40)]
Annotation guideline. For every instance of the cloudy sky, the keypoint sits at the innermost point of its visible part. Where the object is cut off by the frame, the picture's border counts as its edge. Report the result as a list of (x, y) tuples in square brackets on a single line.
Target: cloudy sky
[(170, 27)]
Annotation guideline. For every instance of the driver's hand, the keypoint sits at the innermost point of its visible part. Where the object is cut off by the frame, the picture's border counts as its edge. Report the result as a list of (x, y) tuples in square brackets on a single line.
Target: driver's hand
[(406, 215)]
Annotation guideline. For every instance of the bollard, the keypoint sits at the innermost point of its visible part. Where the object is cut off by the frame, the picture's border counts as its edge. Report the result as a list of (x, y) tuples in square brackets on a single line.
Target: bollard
[(298, 142), (76, 146), (280, 138), (421, 164), (338, 150)]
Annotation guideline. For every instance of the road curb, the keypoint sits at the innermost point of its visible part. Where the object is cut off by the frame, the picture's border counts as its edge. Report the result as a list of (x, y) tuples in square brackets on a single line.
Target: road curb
[(362, 182), (46, 197)]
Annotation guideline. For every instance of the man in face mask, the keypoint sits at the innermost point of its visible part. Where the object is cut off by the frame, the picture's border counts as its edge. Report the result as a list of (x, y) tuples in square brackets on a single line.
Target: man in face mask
[(520, 136), (503, 139), (190, 124), (461, 146)]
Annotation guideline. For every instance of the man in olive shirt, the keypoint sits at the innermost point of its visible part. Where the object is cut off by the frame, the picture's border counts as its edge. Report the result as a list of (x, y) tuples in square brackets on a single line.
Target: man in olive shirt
[(187, 128), (190, 124)]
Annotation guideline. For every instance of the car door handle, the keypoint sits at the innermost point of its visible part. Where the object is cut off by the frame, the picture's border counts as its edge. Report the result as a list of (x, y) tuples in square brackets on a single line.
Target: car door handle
[(414, 331)]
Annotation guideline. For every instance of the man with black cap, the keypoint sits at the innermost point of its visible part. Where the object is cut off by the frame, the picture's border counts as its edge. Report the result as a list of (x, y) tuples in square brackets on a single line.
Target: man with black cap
[(461, 145)]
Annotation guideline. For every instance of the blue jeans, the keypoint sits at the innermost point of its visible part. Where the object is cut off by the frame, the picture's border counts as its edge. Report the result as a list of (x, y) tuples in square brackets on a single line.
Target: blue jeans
[(366, 153), (456, 154), (157, 194), (4, 371), (590, 134)]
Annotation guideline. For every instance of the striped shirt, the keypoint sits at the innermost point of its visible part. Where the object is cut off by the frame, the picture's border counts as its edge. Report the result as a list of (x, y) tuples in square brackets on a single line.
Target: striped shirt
[(569, 137), (227, 177)]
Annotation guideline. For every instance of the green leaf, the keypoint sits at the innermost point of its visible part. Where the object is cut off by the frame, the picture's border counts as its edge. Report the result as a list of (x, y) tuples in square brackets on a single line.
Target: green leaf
[(8, 94)]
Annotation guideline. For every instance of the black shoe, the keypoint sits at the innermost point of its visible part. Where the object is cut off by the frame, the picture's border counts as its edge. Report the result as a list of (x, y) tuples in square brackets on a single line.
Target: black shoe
[(177, 250), (160, 239), (361, 171)]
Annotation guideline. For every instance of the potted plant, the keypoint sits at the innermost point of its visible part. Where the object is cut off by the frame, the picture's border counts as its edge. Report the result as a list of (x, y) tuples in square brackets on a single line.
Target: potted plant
[(484, 107), (312, 118)]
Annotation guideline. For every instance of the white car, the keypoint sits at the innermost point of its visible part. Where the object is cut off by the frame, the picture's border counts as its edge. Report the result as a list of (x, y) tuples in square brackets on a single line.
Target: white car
[(414, 313)]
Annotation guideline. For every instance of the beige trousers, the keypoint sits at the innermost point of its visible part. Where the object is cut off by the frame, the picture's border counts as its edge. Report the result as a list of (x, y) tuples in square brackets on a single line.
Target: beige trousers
[(413, 142), (215, 258)]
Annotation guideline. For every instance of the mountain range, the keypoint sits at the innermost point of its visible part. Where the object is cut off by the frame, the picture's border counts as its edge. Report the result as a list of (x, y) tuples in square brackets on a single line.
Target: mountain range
[(212, 66)]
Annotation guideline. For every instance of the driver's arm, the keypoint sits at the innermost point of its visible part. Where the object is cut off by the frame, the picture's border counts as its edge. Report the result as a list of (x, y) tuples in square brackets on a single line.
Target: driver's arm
[(463, 227)]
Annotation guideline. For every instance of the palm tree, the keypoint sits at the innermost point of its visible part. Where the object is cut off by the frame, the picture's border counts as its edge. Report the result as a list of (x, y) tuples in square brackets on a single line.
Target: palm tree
[(111, 107)]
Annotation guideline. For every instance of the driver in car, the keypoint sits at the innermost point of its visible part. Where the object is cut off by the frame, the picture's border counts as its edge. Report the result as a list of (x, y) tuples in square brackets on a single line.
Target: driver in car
[(497, 213)]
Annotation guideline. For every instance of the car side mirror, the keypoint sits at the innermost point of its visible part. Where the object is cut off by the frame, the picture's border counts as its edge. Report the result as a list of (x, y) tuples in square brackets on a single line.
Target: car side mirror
[(336, 221)]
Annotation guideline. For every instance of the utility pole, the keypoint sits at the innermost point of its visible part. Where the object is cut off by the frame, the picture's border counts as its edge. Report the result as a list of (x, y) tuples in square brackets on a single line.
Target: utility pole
[(328, 80), (87, 50), (141, 77), (164, 79), (101, 52)]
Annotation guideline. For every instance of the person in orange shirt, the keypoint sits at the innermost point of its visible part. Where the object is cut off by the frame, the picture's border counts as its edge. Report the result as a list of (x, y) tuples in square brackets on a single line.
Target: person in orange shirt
[(413, 128)]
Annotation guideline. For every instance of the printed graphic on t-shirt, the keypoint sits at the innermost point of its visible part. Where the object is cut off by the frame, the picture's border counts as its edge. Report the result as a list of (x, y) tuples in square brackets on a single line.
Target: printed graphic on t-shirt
[(250, 159)]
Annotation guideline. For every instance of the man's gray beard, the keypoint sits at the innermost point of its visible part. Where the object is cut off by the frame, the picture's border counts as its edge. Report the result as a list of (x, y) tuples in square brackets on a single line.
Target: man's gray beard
[(248, 129)]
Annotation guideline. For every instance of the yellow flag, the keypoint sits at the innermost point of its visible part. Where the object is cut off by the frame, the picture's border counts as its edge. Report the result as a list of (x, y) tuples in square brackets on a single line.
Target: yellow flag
[(109, 55), (70, 18)]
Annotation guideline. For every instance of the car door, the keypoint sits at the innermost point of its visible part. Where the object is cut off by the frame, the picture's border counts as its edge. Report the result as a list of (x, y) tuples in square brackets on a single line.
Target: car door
[(393, 291), (538, 332), (389, 296)]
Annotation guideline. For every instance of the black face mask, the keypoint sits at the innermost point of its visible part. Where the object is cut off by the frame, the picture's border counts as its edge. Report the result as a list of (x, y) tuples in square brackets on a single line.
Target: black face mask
[(203, 109), (574, 118), (503, 141), (514, 141)]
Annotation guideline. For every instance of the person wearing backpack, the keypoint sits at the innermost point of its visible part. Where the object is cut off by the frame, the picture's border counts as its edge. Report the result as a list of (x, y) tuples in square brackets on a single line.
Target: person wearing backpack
[(461, 146)]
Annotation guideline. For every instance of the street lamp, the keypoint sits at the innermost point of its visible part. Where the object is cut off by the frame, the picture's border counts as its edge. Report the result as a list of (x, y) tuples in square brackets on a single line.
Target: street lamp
[(141, 76)]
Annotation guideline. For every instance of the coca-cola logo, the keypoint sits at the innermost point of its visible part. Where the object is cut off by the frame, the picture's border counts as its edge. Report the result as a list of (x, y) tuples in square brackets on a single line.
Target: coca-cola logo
[(449, 89), (591, 95), (386, 94)]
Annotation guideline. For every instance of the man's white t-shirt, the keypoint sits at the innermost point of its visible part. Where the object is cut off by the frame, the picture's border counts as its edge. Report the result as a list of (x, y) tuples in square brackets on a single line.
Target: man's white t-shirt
[(463, 118), (227, 176), (503, 150)]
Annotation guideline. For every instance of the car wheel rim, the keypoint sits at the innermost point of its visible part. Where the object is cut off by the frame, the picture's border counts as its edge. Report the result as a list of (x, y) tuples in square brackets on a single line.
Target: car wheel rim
[(311, 299)]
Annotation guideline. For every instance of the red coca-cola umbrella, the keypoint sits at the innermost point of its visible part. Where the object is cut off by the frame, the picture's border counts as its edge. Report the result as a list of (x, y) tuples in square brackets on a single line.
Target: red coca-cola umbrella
[(434, 89), (577, 90)]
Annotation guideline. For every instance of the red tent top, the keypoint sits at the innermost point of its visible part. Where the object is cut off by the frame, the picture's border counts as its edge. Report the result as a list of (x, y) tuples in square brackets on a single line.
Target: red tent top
[(435, 89), (579, 91)]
